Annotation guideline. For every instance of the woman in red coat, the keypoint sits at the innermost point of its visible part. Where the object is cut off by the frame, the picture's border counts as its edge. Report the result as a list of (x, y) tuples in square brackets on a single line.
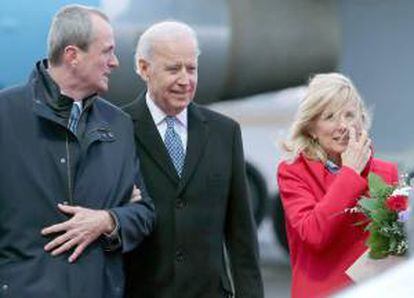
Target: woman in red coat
[(328, 159)]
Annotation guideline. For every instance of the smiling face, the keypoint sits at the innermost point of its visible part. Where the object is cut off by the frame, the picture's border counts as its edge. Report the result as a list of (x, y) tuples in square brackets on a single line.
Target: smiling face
[(95, 65), (331, 128), (171, 73)]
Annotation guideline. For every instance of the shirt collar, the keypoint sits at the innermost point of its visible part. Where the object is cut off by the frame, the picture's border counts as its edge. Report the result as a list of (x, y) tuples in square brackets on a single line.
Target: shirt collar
[(79, 104), (331, 166), (158, 115)]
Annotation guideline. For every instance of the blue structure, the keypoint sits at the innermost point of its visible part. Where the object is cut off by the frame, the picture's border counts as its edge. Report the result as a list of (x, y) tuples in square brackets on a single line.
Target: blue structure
[(23, 32)]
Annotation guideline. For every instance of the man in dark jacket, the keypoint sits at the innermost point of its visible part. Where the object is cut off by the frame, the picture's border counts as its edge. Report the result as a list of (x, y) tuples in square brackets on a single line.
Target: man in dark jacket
[(193, 164), (68, 171)]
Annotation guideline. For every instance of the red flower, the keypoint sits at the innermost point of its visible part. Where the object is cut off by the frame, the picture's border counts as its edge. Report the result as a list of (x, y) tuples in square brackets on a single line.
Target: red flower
[(397, 203)]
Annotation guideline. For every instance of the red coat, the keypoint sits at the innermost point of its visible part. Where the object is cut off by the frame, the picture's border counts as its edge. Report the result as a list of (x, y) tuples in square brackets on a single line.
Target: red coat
[(323, 240)]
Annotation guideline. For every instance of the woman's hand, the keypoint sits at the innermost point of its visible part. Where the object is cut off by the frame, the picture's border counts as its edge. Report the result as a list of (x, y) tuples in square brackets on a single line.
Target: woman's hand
[(358, 151)]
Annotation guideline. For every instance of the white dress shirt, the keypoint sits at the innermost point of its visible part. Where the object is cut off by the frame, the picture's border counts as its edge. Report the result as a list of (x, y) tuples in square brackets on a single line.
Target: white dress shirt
[(159, 119)]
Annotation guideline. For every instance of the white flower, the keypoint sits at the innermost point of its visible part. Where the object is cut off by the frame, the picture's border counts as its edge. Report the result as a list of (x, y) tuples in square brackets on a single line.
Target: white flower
[(403, 191)]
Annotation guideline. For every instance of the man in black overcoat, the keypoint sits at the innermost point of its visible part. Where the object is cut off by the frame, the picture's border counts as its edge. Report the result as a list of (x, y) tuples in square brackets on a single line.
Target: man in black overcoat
[(205, 242)]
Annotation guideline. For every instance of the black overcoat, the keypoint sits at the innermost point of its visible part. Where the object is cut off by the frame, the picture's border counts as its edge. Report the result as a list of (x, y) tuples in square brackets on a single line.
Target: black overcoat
[(197, 214)]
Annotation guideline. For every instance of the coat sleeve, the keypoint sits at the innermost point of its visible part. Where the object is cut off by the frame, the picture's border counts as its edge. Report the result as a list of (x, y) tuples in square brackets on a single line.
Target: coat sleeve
[(387, 170), (136, 220), (241, 236), (316, 220)]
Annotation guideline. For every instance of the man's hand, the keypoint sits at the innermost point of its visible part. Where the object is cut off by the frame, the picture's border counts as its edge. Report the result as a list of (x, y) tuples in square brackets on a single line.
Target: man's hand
[(136, 195), (85, 226)]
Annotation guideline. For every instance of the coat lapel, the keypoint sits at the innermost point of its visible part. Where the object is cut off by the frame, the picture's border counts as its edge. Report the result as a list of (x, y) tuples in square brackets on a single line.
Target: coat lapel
[(148, 136), (317, 169), (197, 141)]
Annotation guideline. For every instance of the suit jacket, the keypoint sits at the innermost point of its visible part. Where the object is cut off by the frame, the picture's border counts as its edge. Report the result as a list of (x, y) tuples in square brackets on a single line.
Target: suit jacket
[(197, 214), (324, 240)]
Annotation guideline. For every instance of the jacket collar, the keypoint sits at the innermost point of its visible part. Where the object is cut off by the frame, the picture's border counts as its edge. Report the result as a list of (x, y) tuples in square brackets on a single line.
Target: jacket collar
[(50, 104), (198, 131), (148, 137), (47, 91)]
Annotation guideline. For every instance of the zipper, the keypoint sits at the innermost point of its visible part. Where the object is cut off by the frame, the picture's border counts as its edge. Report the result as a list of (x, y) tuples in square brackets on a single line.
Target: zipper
[(69, 172)]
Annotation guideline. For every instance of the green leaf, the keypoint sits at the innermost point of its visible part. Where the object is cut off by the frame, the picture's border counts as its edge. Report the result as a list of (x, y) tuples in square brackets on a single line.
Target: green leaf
[(382, 215), (386, 235), (378, 244), (378, 188), (393, 244), (368, 204)]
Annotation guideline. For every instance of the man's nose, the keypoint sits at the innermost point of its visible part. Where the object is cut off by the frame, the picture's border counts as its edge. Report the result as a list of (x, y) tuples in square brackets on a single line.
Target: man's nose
[(114, 62), (184, 78)]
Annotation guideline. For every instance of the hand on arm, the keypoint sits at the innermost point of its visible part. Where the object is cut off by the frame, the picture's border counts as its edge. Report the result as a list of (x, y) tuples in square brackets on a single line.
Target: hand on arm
[(84, 227), (136, 195)]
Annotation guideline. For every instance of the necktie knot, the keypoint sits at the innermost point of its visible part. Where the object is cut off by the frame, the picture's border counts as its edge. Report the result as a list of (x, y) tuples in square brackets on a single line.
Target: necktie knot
[(170, 121)]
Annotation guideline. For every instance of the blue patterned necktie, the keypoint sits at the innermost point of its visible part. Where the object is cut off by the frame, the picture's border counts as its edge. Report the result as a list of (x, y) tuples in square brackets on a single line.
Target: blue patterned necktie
[(74, 117), (174, 145)]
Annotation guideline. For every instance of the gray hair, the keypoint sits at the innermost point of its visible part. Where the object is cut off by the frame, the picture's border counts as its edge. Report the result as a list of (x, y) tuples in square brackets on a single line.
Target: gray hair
[(163, 31), (330, 89), (72, 25)]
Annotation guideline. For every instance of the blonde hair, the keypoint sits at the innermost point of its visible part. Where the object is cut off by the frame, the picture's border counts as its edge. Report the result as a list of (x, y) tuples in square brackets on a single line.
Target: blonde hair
[(324, 90)]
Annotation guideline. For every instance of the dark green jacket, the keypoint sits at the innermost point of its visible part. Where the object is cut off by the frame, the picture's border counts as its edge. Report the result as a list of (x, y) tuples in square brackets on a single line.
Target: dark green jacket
[(42, 164)]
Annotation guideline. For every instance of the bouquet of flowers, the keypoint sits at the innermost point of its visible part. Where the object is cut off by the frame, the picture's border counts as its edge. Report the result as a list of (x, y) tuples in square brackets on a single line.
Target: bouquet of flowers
[(387, 211)]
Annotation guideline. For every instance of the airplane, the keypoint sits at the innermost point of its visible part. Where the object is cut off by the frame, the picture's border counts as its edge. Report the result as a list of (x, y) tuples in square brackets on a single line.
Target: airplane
[(255, 59)]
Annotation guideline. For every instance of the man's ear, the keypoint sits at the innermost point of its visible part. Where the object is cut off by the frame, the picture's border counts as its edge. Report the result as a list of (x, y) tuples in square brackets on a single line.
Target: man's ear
[(143, 69), (71, 55)]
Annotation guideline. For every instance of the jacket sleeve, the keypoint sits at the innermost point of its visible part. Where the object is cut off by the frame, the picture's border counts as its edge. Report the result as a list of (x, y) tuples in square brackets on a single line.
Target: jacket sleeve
[(135, 219), (316, 220), (387, 170), (241, 236)]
